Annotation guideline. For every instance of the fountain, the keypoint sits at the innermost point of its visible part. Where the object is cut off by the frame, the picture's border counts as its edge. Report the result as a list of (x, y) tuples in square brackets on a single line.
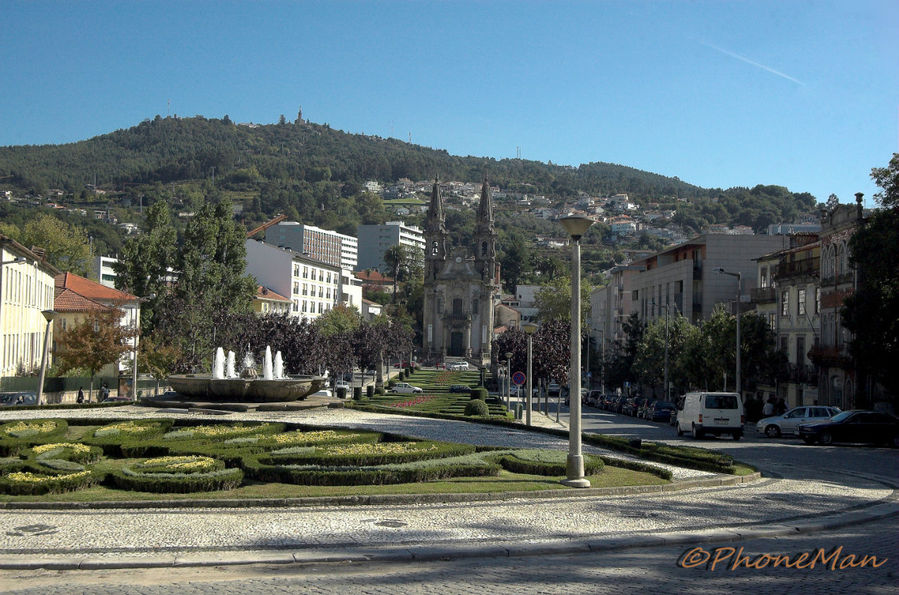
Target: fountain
[(224, 384)]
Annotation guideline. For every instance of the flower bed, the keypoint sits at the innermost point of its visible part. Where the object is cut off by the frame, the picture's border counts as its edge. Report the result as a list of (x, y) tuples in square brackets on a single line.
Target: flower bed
[(177, 474), (16, 435)]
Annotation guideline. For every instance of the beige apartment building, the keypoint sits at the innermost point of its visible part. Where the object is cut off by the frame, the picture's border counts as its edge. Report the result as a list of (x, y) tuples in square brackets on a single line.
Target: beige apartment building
[(26, 289)]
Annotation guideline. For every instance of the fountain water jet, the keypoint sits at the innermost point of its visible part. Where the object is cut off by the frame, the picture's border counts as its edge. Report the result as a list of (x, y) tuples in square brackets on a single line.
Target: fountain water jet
[(218, 364), (273, 386), (267, 364), (229, 366)]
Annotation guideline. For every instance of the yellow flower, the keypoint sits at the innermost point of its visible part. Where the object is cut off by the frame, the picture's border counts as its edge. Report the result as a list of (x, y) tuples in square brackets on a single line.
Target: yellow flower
[(78, 448), (378, 448), (29, 477), (39, 427), (182, 464)]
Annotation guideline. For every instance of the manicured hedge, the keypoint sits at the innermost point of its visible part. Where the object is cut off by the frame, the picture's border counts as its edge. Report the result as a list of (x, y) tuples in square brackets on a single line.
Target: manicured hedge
[(367, 454), (18, 435), (477, 407), (549, 463), (129, 438), (177, 474), (418, 471)]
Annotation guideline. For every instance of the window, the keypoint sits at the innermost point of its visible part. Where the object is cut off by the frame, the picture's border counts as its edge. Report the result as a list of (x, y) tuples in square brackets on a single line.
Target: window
[(800, 302), (305, 272), (763, 280), (785, 303), (817, 300), (800, 350)]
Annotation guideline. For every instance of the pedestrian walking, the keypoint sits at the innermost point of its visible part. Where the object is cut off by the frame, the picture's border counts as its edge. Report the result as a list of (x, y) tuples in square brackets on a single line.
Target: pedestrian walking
[(80, 398)]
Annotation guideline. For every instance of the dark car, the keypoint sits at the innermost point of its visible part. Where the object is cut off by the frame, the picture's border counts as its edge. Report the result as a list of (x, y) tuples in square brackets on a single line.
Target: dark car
[(853, 426), (12, 399), (459, 388), (660, 411)]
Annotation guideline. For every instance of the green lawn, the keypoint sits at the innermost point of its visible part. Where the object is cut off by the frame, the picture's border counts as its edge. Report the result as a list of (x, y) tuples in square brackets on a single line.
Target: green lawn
[(436, 397)]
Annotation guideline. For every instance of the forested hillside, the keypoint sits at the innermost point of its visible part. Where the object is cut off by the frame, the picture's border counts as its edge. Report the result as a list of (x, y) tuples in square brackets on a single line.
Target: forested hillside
[(314, 172)]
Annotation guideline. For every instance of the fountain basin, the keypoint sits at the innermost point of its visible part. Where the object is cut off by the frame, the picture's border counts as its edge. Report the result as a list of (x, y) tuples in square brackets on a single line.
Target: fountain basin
[(253, 390)]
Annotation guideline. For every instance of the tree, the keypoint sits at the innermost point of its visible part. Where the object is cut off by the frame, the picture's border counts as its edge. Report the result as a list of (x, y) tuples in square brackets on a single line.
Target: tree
[(515, 260), (97, 340), (211, 282), (158, 357), (553, 300), (147, 262), (66, 246), (340, 320), (624, 352), (872, 312)]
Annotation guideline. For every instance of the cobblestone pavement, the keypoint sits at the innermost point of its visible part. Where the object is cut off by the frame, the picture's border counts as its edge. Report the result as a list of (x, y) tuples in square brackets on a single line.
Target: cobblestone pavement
[(643, 570), (484, 533)]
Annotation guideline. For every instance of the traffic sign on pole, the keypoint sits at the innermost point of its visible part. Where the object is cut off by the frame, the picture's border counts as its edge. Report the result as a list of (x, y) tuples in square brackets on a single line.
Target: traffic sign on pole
[(519, 378)]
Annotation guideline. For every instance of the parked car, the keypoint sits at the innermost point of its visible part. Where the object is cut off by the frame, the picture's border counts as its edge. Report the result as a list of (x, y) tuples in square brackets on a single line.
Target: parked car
[(617, 403), (458, 367), (11, 399), (406, 388), (460, 388), (553, 389), (643, 409), (853, 426), (660, 411), (630, 406), (788, 423), (594, 398), (711, 413)]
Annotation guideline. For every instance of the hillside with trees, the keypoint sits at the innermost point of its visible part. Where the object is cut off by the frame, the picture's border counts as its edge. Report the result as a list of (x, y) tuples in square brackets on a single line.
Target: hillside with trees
[(315, 173)]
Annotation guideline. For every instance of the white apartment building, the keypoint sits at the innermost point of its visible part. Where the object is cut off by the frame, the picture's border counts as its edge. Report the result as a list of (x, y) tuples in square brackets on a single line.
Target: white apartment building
[(26, 289), (320, 244), (375, 240), (313, 287), (104, 271)]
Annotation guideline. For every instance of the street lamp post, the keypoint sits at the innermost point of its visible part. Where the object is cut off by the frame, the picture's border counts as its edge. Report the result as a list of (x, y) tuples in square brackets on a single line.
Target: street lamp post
[(509, 381), (739, 277), (529, 328), (667, 391), (576, 226), (602, 367), (49, 315)]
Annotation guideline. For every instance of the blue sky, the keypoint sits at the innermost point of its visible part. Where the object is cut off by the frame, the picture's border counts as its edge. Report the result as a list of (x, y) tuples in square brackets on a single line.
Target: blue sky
[(720, 94)]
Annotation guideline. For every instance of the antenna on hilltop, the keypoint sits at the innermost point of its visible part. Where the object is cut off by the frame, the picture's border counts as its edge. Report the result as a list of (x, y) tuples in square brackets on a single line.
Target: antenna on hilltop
[(518, 152), (410, 138), (169, 102)]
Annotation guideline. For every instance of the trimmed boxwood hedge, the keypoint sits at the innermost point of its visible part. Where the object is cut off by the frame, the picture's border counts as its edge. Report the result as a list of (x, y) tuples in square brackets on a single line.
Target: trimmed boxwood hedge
[(152, 475), (549, 463), (397, 452), (128, 438), (477, 407), (389, 474), (18, 435)]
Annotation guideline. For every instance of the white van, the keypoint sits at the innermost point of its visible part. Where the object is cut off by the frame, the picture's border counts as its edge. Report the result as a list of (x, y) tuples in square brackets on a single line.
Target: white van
[(710, 413)]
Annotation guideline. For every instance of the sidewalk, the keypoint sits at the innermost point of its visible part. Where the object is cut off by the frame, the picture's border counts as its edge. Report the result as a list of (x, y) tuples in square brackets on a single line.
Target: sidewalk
[(415, 529)]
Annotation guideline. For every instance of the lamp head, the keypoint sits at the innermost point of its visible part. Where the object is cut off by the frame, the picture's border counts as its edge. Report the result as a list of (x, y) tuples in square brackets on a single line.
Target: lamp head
[(49, 315), (576, 225)]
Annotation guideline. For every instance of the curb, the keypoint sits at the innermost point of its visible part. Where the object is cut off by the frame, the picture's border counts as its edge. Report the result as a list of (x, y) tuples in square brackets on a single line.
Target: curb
[(390, 499), (456, 551)]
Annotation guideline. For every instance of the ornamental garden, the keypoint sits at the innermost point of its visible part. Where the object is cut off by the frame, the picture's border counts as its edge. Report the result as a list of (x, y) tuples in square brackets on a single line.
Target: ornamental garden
[(55, 459)]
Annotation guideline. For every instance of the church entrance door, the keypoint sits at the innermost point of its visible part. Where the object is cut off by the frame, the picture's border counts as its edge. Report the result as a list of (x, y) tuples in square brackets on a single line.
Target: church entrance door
[(456, 344)]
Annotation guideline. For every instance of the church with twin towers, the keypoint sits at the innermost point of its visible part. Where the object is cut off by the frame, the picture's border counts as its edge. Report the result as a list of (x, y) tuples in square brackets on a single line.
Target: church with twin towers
[(461, 285)]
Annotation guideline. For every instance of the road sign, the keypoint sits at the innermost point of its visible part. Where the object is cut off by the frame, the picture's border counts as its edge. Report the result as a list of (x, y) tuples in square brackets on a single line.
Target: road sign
[(519, 378)]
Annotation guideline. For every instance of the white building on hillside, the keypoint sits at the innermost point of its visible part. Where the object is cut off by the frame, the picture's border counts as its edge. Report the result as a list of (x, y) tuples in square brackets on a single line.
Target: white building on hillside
[(375, 240), (321, 244), (313, 287)]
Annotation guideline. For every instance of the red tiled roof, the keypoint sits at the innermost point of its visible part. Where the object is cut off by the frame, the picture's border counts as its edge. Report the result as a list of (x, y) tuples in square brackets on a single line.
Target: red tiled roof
[(67, 300), (373, 277), (91, 289), (264, 293)]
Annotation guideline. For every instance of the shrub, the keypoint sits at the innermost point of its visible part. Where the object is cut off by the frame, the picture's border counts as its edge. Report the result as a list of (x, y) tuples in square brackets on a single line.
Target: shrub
[(479, 393), (546, 462), (367, 454), (17, 435), (33, 481), (477, 407), (357, 393), (178, 474)]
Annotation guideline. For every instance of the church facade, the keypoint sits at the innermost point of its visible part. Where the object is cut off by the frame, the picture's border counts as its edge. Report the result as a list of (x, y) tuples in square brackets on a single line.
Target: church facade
[(461, 286)]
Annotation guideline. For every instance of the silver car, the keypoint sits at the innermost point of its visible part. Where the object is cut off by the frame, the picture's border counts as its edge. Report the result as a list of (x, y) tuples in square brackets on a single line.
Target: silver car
[(788, 423)]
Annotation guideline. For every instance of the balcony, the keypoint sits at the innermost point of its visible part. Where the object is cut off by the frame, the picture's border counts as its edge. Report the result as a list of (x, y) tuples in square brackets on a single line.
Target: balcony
[(802, 374), (764, 295), (798, 268), (828, 356)]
